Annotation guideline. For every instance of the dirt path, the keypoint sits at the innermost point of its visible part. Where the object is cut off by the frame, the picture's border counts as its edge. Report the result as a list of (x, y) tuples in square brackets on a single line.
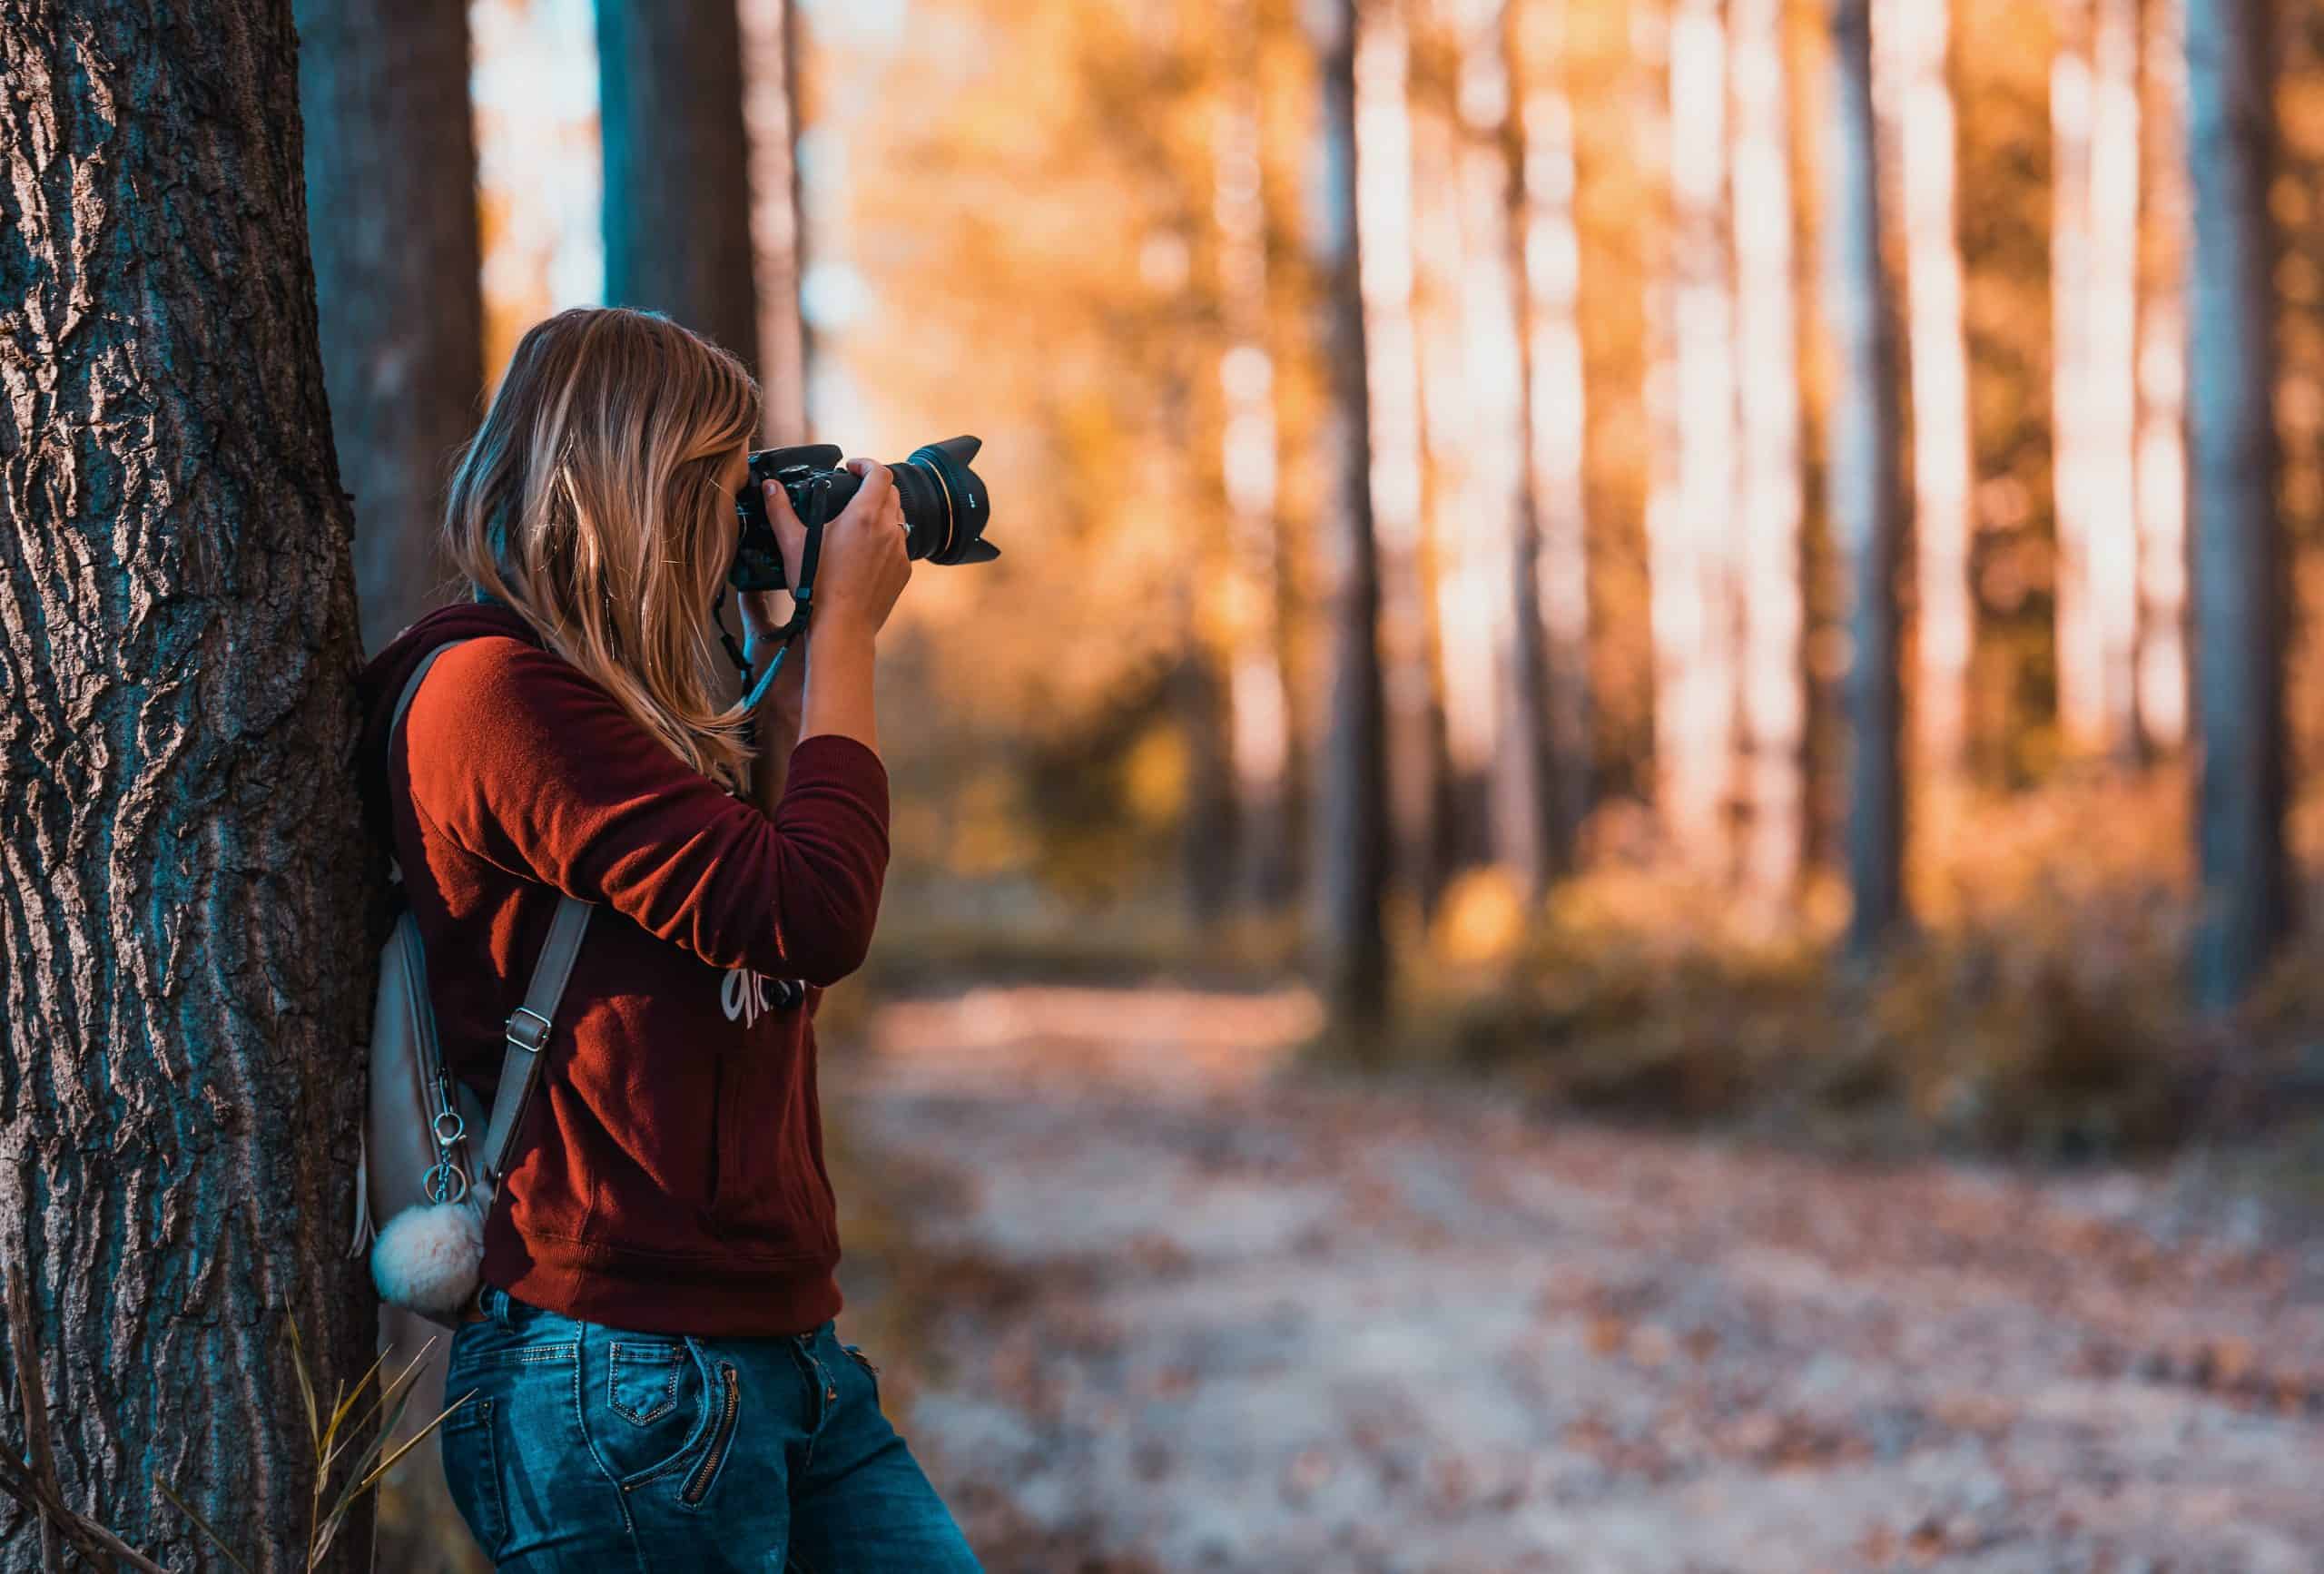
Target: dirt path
[(1180, 1314)]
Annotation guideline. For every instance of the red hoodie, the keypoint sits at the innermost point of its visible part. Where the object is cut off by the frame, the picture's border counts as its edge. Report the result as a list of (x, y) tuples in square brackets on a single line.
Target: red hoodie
[(669, 1174)]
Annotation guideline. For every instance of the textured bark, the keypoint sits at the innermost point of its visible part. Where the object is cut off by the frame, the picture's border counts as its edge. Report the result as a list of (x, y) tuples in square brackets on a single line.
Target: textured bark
[(1350, 785), (1914, 43), (772, 112), (182, 914), (392, 216), (677, 205), (1771, 654), (1257, 689), (2237, 538), (1867, 497)]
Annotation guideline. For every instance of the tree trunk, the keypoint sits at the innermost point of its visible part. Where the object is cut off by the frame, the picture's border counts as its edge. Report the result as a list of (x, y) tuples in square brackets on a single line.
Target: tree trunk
[(772, 114), (1415, 678), (1554, 411), (1867, 501), (2162, 388), (1351, 789), (1257, 694), (1772, 656), (2239, 546), (677, 202), (2094, 117), (1915, 39), (186, 888), (392, 218), (1690, 553)]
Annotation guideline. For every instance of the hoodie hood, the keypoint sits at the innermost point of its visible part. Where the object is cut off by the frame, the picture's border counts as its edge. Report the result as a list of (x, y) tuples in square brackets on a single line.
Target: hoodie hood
[(380, 684)]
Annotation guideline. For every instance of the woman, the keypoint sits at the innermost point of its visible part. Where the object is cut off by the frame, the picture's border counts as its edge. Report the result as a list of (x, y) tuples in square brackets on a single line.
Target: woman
[(652, 1376)]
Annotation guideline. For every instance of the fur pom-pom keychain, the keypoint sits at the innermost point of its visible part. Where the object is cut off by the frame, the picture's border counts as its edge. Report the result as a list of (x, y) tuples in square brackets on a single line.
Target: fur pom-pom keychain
[(430, 1256)]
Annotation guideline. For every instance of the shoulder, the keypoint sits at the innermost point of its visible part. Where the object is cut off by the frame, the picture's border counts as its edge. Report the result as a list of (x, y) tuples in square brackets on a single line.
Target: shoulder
[(488, 696)]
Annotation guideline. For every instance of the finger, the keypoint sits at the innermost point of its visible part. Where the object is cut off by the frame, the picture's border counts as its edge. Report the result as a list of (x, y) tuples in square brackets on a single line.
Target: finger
[(878, 485), (790, 535)]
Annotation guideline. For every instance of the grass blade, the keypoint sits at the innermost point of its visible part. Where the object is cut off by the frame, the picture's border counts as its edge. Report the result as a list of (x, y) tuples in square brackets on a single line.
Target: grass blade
[(202, 1525), (306, 1388)]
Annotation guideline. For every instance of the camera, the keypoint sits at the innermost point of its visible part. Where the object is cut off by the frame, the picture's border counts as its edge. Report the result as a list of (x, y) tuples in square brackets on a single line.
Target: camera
[(945, 506)]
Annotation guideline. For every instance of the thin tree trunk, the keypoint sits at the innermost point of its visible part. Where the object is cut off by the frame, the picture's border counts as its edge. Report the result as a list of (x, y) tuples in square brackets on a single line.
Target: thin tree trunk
[(1772, 658), (2110, 348), (2080, 667), (678, 196), (1554, 411), (1351, 789), (1257, 696), (183, 908), (1416, 677), (1866, 497), (772, 114), (1690, 550), (1913, 39), (1506, 599), (2238, 538), (2163, 388), (390, 172)]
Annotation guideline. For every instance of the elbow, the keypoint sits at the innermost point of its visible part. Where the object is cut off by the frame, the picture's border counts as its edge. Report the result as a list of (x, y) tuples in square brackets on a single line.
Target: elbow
[(828, 951)]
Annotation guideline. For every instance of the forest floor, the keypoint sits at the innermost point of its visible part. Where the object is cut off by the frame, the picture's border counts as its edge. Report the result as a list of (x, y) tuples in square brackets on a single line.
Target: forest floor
[(1150, 1296)]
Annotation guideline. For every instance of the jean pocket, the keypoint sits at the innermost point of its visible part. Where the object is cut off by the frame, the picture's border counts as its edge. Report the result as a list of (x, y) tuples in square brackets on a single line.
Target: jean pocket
[(472, 1472), (642, 1379)]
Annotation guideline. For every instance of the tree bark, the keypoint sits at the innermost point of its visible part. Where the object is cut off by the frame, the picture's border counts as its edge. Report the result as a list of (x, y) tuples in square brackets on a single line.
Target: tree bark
[(392, 218), (1771, 654), (184, 910), (772, 112), (2238, 538), (1914, 45), (677, 202), (1351, 790), (1866, 500)]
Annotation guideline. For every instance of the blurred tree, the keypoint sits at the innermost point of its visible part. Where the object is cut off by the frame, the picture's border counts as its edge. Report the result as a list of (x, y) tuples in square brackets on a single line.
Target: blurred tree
[(1771, 654), (1414, 674), (2161, 676), (1550, 688), (186, 889), (1258, 698), (1351, 779), (678, 194), (773, 114), (2094, 107), (2239, 585), (1866, 500), (1912, 40), (391, 206), (1692, 562)]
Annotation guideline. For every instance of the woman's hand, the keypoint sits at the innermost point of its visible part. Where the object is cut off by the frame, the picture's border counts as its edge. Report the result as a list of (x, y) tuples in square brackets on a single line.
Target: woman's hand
[(863, 567)]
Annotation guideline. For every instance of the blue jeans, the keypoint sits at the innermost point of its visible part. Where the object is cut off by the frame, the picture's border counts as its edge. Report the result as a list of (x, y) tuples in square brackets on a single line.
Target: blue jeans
[(582, 1447)]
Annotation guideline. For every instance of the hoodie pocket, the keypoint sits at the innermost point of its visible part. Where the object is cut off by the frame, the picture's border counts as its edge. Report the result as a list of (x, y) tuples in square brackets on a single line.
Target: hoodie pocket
[(768, 1201)]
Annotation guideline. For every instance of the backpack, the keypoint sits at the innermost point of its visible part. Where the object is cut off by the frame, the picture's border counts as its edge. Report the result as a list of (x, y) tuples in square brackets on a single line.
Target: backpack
[(431, 1159)]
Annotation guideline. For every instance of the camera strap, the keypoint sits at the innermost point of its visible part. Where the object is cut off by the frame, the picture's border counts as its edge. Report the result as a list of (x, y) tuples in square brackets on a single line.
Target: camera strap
[(802, 604)]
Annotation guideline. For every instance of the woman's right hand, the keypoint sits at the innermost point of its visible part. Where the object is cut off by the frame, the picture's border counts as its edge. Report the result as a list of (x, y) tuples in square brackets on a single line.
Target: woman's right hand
[(864, 568)]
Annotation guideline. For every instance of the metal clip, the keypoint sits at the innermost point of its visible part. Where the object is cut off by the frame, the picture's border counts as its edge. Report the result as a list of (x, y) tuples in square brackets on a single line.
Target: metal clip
[(527, 1029)]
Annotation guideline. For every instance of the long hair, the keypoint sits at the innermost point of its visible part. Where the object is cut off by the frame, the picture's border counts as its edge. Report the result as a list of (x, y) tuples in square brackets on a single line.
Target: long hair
[(590, 501)]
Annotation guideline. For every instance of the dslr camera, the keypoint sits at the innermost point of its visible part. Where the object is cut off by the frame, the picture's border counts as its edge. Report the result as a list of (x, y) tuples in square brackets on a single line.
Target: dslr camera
[(945, 506)]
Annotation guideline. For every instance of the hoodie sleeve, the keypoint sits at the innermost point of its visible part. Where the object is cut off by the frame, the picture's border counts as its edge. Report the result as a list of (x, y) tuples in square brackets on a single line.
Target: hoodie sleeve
[(522, 761)]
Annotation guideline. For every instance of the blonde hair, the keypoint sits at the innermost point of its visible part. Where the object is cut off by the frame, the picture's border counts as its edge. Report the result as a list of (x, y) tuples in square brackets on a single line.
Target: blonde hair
[(592, 501)]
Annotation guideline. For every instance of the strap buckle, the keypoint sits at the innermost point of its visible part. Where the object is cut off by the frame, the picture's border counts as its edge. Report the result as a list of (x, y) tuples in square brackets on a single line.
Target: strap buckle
[(527, 1031)]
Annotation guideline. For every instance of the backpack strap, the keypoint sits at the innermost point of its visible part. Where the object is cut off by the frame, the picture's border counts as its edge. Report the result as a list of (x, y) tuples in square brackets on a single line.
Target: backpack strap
[(528, 1027)]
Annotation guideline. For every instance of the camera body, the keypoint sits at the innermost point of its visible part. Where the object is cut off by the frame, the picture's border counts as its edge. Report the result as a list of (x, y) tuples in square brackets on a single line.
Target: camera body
[(945, 506)]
